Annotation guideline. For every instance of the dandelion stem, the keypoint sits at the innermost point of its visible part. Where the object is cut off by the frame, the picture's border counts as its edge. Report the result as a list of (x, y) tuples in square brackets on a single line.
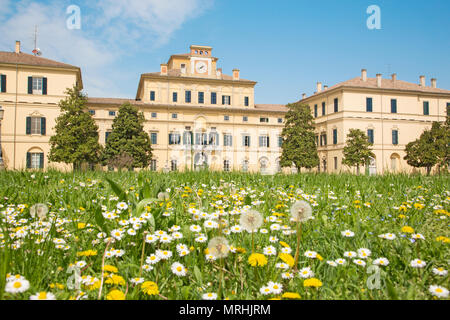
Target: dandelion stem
[(142, 254), (297, 249), (103, 269)]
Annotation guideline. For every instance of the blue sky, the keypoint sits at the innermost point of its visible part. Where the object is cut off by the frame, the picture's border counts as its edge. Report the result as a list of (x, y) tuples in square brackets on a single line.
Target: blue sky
[(287, 46)]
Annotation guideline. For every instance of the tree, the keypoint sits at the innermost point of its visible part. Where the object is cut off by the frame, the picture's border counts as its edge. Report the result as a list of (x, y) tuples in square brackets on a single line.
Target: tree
[(422, 152), (299, 146), (76, 133), (357, 149), (440, 133), (128, 137)]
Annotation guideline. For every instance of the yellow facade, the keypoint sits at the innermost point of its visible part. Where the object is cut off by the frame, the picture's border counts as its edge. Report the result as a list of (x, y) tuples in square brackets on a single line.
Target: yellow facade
[(211, 118), (409, 120)]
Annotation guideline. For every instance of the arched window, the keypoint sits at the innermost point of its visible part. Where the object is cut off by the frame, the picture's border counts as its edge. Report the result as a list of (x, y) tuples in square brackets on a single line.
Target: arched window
[(35, 158)]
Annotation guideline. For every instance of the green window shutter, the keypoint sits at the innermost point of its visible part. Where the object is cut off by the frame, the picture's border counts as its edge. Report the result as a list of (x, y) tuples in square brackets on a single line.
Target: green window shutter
[(44, 86), (3, 82), (30, 85), (28, 160), (41, 161), (43, 126), (28, 125)]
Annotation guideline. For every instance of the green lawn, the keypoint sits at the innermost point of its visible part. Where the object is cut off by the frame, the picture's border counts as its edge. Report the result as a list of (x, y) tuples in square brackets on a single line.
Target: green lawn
[(96, 216)]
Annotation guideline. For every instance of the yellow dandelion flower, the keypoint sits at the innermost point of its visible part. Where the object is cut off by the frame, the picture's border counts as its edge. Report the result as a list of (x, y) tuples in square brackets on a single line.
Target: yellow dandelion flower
[(291, 295), (402, 216), (407, 229), (115, 280), (110, 268), (287, 258), (284, 244), (115, 295), (312, 282), (150, 288), (81, 225), (257, 259), (443, 239), (318, 256)]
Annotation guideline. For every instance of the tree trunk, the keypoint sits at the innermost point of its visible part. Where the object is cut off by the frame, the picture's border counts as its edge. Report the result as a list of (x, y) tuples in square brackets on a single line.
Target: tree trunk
[(357, 169), (428, 171)]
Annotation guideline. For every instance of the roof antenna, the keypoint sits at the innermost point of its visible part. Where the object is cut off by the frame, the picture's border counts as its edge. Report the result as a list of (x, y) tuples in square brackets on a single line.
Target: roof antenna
[(36, 51)]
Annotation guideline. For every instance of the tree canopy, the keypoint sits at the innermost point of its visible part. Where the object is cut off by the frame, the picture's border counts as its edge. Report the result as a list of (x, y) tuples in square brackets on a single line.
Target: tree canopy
[(76, 133), (357, 149), (299, 146)]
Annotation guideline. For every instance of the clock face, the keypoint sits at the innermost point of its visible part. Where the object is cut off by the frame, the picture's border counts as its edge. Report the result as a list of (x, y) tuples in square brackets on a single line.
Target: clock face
[(201, 67)]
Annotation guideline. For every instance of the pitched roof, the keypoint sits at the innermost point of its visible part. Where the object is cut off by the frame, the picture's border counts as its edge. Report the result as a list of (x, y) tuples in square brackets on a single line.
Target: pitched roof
[(177, 73), (271, 107), (28, 59), (120, 101), (387, 84)]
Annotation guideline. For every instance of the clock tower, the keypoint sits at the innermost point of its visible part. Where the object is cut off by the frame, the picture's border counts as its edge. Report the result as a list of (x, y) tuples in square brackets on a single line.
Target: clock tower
[(201, 61)]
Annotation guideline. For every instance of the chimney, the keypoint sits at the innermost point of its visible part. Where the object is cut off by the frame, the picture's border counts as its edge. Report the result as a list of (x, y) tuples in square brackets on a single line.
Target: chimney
[(364, 75), (319, 86), (394, 77), (434, 83), (17, 46), (379, 80), (325, 87), (164, 69), (304, 96), (422, 81), (235, 74)]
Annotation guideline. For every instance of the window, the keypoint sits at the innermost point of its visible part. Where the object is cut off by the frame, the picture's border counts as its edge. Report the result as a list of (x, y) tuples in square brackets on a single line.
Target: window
[(264, 142), (323, 108), (107, 134), (245, 166), (317, 141), (154, 115), (201, 97), (213, 98), (175, 97), (280, 141), (334, 136), (154, 137), (315, 111), (112, 113), (335, 163), (3, 83), (395, 137), (187, 138), (426, 108), (226, 100), (280, 120), (174, 138), (369, 105), (227, 140), (153, 165), (370, 135), (174, 115), (244, 118), (393, 105), (323, 139), (36, 125), (226, 118), (448, 108), (264, 120), (173, 165), (183, 68), (187, 97), (246, 101), (246, 141), (92, 112), (37, 85), (35, 160), (213, 139), (336, 105), (226, 165), (152, 95), (201, 139)]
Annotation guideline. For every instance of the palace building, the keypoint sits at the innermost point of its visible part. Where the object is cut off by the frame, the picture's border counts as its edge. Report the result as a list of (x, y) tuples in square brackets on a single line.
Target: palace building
[(391, 112), (198, 117)]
